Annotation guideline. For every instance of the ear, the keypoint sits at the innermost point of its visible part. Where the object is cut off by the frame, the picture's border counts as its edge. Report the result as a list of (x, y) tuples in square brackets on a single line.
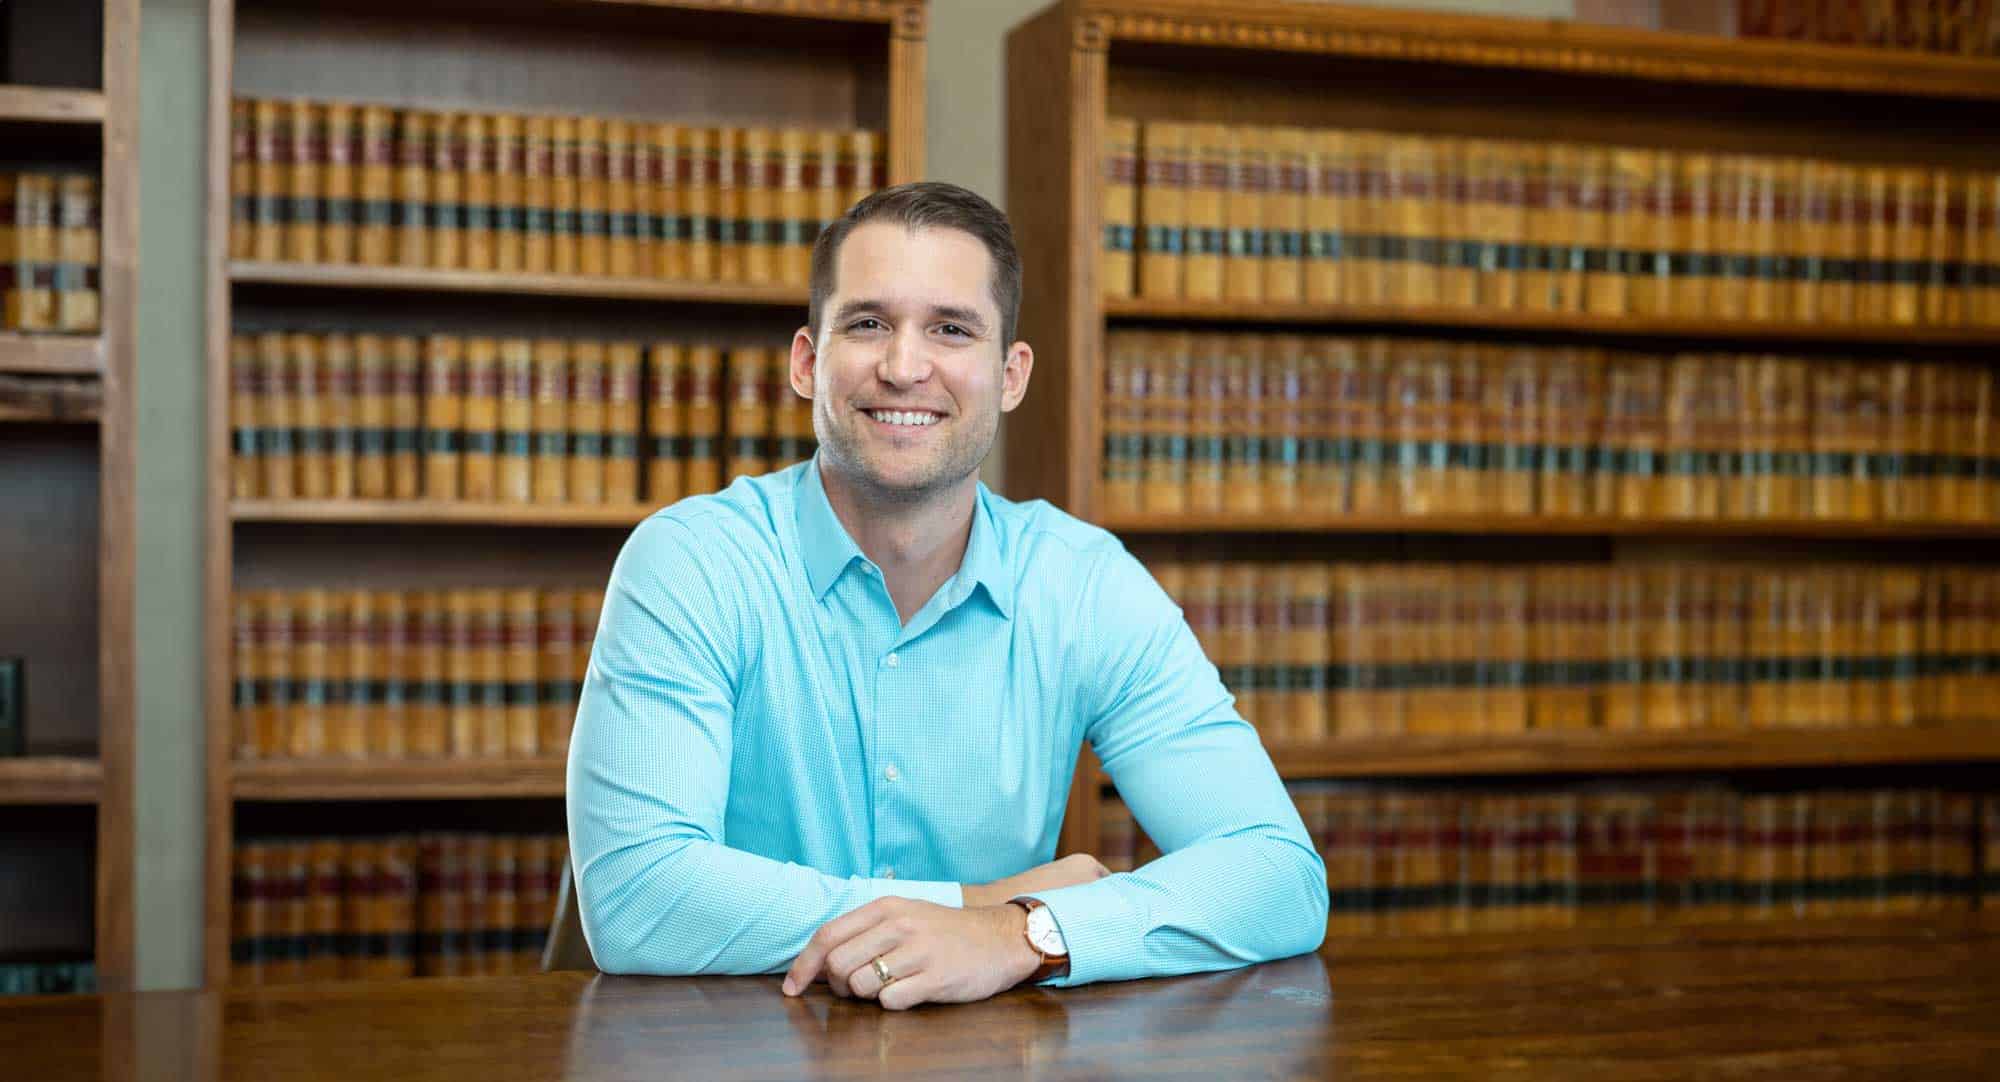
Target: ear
[(805, 359), (1020, 365)]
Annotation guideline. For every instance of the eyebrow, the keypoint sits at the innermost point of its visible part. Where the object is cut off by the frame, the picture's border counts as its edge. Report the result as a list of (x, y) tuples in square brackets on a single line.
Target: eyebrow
[(949, 312)]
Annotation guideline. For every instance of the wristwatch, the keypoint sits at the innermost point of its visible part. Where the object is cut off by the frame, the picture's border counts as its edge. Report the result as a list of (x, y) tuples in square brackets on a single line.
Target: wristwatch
[(1045, 939)]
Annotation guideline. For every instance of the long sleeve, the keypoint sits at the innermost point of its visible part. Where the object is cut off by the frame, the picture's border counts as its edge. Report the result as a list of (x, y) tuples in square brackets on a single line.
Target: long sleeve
[(1240, 881), (649, 774)]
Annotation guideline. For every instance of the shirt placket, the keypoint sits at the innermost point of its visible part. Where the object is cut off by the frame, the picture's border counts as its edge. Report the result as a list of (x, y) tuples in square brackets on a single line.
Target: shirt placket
[(901, 690)]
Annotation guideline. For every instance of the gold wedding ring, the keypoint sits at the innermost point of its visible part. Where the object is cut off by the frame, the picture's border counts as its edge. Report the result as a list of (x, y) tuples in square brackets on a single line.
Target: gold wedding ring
[(882, 972)]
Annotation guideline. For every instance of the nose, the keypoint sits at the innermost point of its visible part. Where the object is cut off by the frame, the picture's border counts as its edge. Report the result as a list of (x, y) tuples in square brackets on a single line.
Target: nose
[(905, 362)]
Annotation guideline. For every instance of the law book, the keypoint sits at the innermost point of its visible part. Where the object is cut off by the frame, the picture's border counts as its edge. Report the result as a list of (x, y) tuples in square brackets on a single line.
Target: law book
[(521, 697), (824, 192), (27, 252), (666, 422), (1418, 595), (1201, 602), (1909, 234), (1942, 286), (242, 178), (271, 151), (793, 228), (1329, 180), (339, 391), (747, 424), (374, 210), (586, 423), (441, 914), (1309, 593), (461, 675), (1366, 272), (322, 910), (1417, 217), (305, 380), (1482, 245), (415, 132), (444, 416), (403, 425), (731, 182), (538, 194), (1203, 273), (652, 158), (339, 154), (388, 635), (1514, 166), (1162, 206), (1125, 389), (305, 159), (1606, 226), (1270, 670), (346, 723), (593, 194), (535, 906), (430, 675), (503, 907), (1982, 241), (517, 430), (250, 917), (759, 230), (509, 201), (479, 469), (791, 416), (249, 694), (622, 367), (863, 165), (1282, 426), (1248, 165), (555, 639), (624, 200), (1551, 277), (697, 166), (1169, 413), (246, 393), (310, 666), (566, 206), (1768, 263), (396, 911), (448, 179), (1875, 208), (549, 467), (1208, 422), (477, 149), (73, 253), (271, 634), (1236, 643), (703, 468), (370, 427), (1119, 174)]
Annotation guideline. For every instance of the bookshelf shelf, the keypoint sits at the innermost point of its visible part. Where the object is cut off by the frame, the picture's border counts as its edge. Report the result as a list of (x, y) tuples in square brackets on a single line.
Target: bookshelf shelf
[(1482, 319), (50, 779), (51, 354), (304, 780), (50, 105), (439, 512), (421, 280), (1270, 522)]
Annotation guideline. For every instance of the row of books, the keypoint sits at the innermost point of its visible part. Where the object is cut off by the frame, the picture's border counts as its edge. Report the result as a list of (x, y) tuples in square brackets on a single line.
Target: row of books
[(1966, 28), (1260, 422), (1213, 212), (1316, 651), (505, 420), (433, 905), (1404, 861), (48, 978), (48, 252), (337, 182), (461, 674)]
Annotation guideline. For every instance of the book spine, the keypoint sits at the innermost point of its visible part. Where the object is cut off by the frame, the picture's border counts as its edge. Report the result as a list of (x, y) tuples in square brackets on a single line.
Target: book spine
[(1368, 271), (477, 148), (538, 194), (621, 422), (747, 424), (375, 188), (861, 167), (429, 696), (372, 425), (758, 169), (517, 427), (1118, 154), (704, 420), (586, 422), (555, 668), (1203, 274), (1420, 222), (405, 436), (1208, 423), (823, 182), (1551, 277), (550, 416), (791, 415), (1164, 457), (1124, 396), (566, 205), (340, 154), (311, 664), (1162, 209), (666, 423), (522, 698), (448, 222), (34, 306), (480, 467), (415, 132), (340, 390), (444, 416), (696, 165), (389, 637), (795, 229), (271, 152), (1249, 167), (622, 202), (242, 179), (249, 913), (306, 376), (657, 198), (304, 164), (246, 434), (353, 667), (249, 691), (461, 675), (1328, 184), (731, 154), (509, 164), (489, 646), (593, 197)]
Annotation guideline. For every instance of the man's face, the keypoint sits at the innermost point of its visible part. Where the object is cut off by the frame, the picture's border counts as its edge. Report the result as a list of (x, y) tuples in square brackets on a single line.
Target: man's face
[(909, 376)]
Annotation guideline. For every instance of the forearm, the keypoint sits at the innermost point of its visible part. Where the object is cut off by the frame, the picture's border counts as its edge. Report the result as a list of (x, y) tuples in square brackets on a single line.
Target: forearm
[(1216, 904), (686, 906)]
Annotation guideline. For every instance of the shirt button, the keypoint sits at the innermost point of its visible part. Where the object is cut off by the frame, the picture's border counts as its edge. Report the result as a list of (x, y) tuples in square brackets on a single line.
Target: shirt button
[(892, 661), (890, 772)]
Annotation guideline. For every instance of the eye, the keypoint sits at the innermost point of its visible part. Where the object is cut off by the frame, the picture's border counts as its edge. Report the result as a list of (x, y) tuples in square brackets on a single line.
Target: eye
[(865, 323), (953, 328)]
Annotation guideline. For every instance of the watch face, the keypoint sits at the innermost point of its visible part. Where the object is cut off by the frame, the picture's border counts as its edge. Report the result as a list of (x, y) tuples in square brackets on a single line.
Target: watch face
[(1043, 933)]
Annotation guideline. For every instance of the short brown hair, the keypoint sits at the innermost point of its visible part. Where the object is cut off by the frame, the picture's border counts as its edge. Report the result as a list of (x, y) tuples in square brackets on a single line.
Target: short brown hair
[(927, 204)]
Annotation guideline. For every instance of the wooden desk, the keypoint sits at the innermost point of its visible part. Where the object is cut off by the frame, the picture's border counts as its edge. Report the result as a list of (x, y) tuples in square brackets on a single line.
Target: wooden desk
[(1783, 1002)]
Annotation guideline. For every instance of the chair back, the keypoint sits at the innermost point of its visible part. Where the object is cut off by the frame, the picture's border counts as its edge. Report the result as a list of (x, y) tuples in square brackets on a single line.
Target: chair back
[(566, 948)]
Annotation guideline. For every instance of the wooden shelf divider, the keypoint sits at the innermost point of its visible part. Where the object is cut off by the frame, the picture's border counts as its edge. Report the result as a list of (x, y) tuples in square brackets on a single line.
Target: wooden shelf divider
[(1567, 323), (51, 354), (51, 105), (1269, 522), (439, 512), (421, 779), (427, 280), (51, 779)]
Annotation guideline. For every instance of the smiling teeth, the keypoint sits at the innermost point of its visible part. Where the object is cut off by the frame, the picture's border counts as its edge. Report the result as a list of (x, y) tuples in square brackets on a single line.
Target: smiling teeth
[(901, 417)]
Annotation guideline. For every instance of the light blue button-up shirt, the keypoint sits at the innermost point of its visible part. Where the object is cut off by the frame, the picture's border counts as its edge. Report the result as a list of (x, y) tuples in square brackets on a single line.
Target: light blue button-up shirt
[(763, 745)]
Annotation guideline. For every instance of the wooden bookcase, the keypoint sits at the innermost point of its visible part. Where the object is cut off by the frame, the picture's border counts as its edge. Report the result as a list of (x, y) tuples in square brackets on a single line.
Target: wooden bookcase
[(1274, 62), (66, 539), (812, 63)]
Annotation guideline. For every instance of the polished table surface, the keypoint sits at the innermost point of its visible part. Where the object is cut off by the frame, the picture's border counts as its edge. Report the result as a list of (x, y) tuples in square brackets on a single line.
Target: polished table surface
[(1862, 1000)]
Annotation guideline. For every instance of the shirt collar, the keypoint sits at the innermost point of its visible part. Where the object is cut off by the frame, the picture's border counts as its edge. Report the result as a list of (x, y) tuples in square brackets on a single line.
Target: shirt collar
[(827, 549)]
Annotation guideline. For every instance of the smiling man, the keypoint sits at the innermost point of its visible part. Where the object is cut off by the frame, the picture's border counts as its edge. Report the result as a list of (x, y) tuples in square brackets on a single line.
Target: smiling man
[(833, 712)]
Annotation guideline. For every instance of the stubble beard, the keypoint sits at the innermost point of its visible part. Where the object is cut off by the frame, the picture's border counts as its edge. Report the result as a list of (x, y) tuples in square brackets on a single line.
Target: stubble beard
[(846, 450)]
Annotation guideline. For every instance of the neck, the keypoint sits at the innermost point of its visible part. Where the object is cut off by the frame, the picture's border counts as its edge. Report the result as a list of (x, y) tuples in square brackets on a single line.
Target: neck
[(918, 542)]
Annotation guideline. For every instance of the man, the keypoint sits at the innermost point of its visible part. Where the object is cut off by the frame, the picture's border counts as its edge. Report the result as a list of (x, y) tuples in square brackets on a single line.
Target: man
[(833, 712)]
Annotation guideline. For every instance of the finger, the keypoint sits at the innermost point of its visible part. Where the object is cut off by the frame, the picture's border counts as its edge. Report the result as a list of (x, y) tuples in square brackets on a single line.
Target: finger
[(806, 967), (904, 961), (906, 992), (850, 960)]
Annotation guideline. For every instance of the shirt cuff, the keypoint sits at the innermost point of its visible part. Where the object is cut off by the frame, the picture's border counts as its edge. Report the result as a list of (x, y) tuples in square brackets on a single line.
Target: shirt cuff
[(1095, 921), (936, 891)]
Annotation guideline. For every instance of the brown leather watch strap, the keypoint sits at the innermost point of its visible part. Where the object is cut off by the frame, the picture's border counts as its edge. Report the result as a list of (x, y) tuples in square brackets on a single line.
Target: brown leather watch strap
[(1053, 965)]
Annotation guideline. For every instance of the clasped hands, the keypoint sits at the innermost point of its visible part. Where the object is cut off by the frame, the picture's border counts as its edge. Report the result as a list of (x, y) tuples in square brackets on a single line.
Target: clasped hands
[(934, 953)]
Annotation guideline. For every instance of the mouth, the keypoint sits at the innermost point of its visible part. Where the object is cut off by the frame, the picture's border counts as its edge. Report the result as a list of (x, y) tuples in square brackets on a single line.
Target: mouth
[(904, 420)]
